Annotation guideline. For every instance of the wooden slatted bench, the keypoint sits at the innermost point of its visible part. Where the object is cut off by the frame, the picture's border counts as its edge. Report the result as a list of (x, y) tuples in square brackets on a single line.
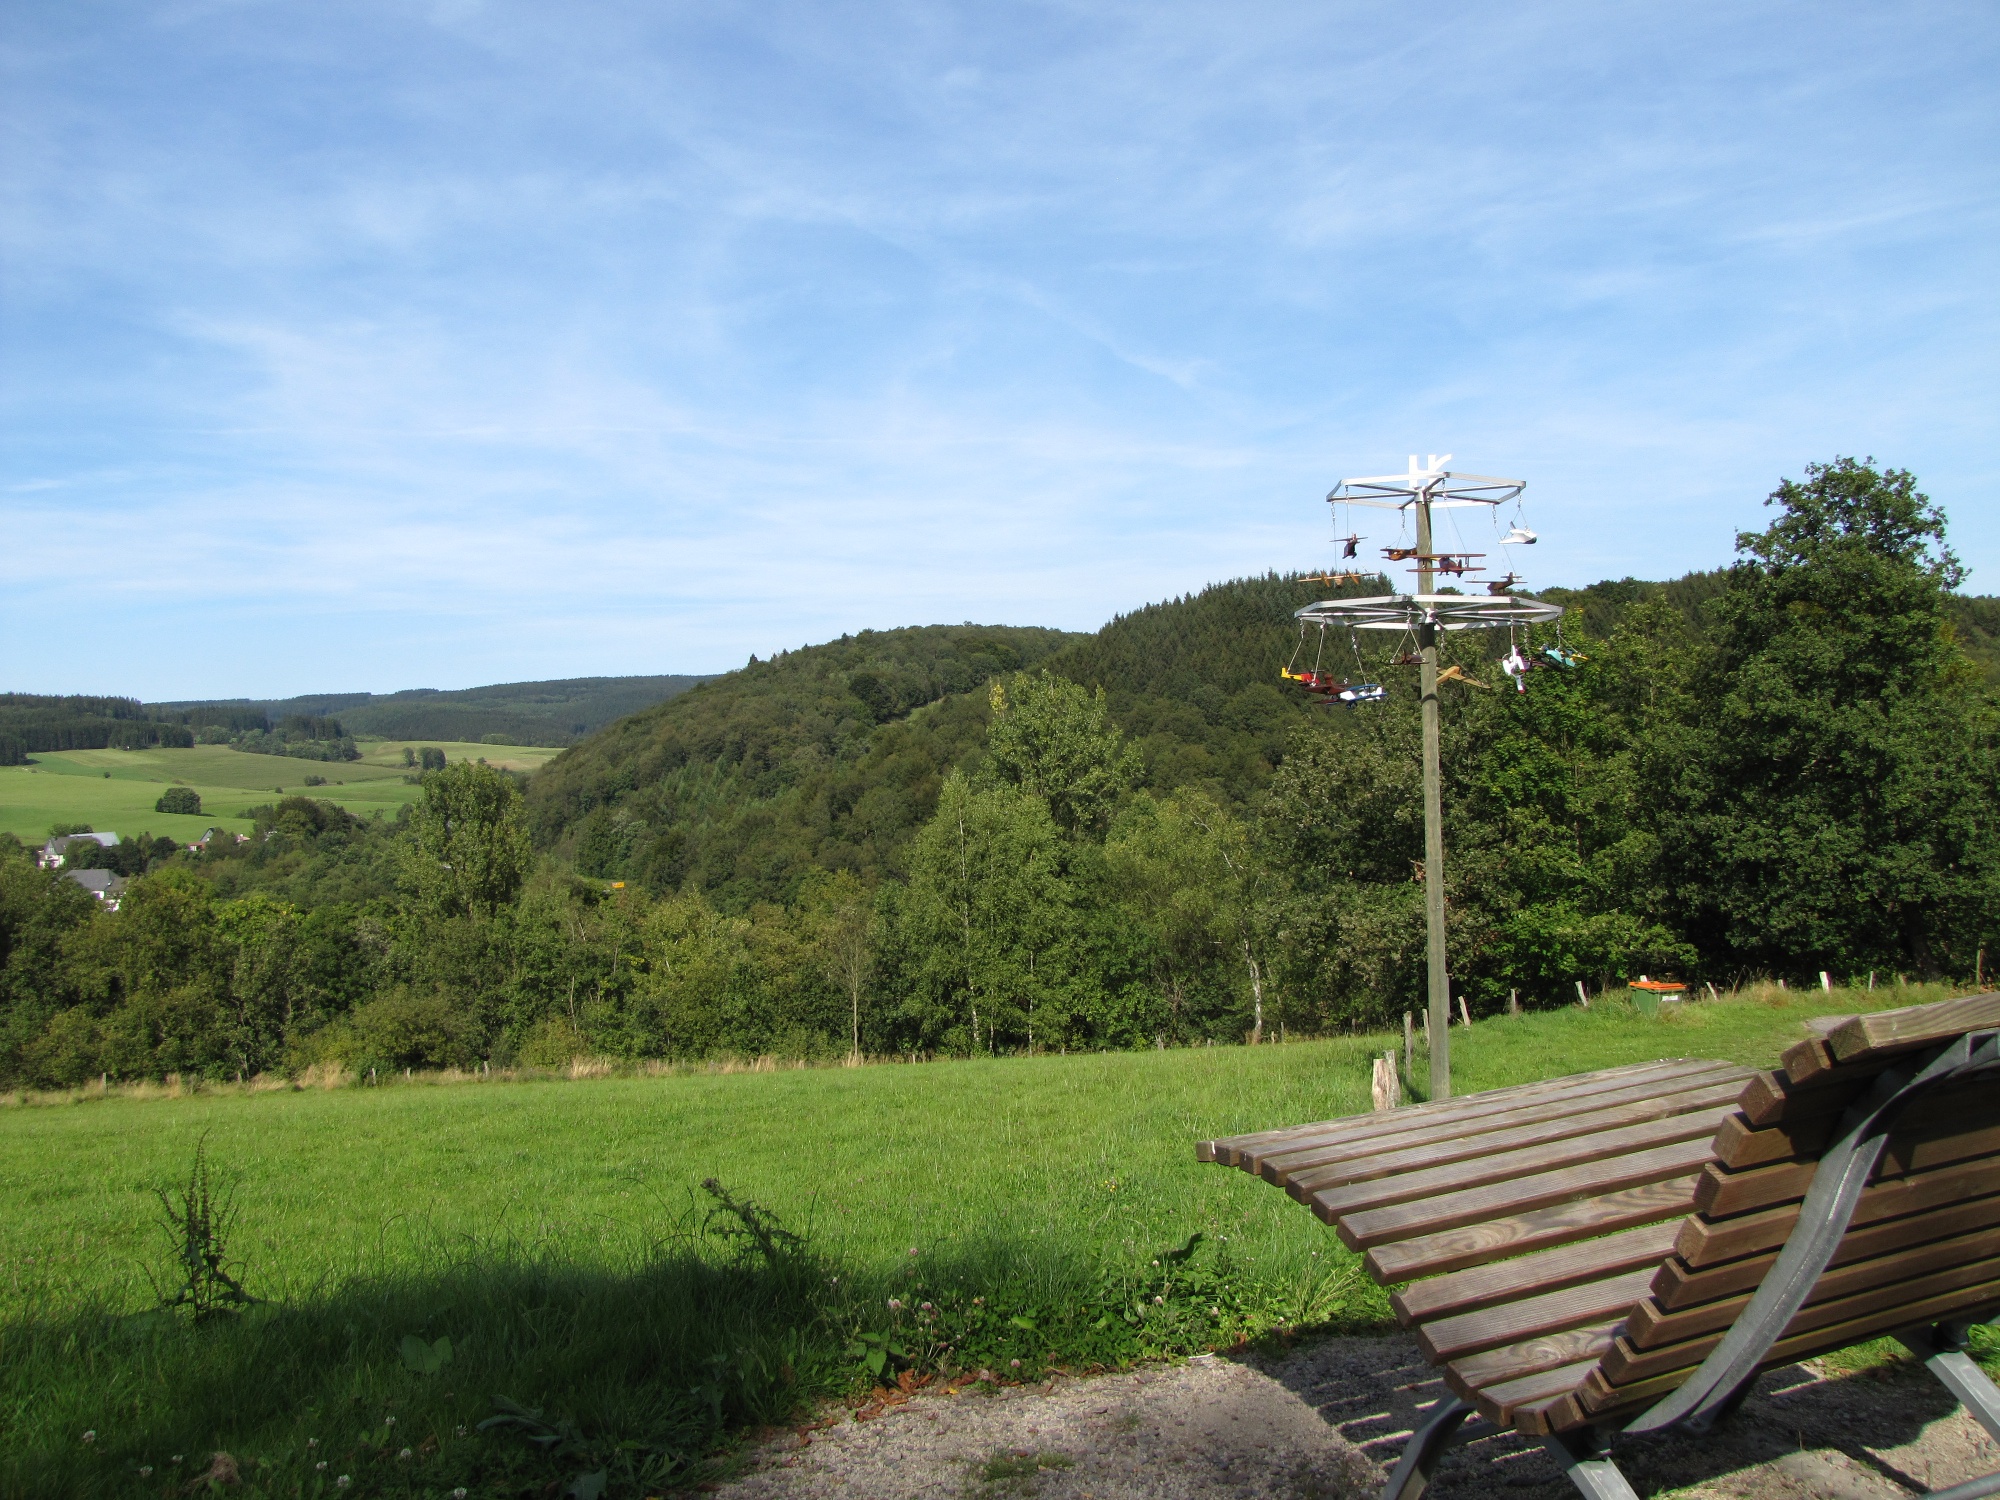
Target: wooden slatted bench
[(1625, 1250)]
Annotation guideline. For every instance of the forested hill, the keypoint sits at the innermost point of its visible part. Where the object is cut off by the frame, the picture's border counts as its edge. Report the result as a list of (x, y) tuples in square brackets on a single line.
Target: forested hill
[(831, 757), (828, 757), (520, 713)]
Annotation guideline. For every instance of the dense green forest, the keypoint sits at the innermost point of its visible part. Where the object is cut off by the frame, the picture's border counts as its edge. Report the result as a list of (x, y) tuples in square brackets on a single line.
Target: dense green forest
[(31, 722), (514, 713), (969, 838)]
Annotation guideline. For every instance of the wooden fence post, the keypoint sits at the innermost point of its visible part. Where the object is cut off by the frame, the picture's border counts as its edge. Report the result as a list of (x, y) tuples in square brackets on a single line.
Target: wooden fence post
[(1582, 998), (1513, 1002), (1386, 1089)]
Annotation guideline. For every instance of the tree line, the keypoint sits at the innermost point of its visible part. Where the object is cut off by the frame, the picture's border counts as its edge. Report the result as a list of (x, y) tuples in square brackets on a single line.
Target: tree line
[(1794, 771)]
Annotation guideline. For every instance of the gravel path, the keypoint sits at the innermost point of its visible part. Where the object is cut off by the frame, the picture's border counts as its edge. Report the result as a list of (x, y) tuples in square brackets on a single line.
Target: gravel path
[(1324, 1421)]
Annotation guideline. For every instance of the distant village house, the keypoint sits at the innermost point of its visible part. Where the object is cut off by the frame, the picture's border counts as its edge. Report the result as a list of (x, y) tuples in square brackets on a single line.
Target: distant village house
[(102, 884), (53, 852)]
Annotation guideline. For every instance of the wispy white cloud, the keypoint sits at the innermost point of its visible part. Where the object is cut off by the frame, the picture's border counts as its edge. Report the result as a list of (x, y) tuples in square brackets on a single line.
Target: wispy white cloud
[(632, 337)]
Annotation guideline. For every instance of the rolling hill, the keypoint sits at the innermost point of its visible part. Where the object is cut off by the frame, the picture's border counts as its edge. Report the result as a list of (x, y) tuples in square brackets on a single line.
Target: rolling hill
[(524, 713)]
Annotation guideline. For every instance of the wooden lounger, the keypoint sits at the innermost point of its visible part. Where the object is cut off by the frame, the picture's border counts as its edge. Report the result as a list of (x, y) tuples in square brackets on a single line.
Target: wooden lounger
[(1626, 1250)]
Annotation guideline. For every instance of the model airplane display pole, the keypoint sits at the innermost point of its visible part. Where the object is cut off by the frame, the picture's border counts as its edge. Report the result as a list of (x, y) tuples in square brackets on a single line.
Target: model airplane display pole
[(1425, 613)]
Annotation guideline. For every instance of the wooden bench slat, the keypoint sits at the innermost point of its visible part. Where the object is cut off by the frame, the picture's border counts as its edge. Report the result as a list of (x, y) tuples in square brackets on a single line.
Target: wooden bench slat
[(1477, 1372), (1883, 1032), (1447, 1339), (1705, 1244), (1543, 1270), (1622, 1151), (1514, 1234), (1597, 1395), (1651, 1325), (1499, 1402), (1771, 1097), (1739, 1147), (1232, 1150), (1304, 1173), (1625, 1364), (1677, 1285), (1723, 1193), (1518, 1195)]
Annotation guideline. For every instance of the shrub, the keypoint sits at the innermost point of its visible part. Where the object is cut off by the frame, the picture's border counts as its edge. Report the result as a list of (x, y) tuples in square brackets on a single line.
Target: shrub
[(179, 799)]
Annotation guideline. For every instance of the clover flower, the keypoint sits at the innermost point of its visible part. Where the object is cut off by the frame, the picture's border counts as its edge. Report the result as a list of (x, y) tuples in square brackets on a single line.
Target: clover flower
[(405, 1454), (895, 1304), (145, 1470), (1015, 1363), (342, 1483)]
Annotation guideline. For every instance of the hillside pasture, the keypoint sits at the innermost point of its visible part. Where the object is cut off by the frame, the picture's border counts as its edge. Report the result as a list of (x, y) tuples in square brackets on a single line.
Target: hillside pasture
[(557, 1234), (116, 789)]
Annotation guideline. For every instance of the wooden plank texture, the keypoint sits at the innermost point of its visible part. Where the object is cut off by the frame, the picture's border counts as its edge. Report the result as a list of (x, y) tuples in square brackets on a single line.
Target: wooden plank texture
[(1886, 1032), (1382, 1131), (1517, 1234), (1723, 1193), (1475, 1372), (1771, 1097), (1543, 1271), (1922, 1297), (1228, 1149), (1533, 1317), (1651, 1326), (1702, 1243), (1677, 1285), (1362, 1231), (1499, 1402), (1738, 1146), (1317, 1168), (1503, 1170)]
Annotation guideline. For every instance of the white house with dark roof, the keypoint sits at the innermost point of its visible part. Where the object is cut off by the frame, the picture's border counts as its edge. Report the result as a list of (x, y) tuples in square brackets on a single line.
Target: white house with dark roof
[(102, 884), (56, 848)]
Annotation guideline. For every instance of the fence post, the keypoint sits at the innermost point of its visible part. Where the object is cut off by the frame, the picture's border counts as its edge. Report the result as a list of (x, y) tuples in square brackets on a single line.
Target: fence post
[(1582, 998), (1513, 1002), (1464, 1015), (1386, 1089)]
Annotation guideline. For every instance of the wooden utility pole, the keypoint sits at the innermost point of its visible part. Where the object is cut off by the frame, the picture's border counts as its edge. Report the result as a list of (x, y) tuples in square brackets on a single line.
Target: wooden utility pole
[(1425, 614), (1434, 949)]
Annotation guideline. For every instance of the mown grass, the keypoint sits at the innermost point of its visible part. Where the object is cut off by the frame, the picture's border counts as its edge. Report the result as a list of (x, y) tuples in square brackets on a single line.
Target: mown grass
[(116, 789), (558, 1236)]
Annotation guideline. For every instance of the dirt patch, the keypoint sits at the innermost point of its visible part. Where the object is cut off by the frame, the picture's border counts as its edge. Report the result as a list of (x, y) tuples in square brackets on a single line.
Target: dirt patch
[(1325, 1421)]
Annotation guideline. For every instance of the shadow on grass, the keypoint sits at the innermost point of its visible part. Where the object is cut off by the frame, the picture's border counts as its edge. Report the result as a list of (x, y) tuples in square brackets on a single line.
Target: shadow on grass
[(615, 1381)]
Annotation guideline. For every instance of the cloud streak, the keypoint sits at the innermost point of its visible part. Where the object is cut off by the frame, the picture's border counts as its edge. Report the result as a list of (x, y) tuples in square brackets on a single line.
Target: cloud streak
[(489, 340)]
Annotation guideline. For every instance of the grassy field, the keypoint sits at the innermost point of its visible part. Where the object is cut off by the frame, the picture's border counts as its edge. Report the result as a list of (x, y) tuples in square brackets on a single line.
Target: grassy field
[(554, 1233), (116, 789)]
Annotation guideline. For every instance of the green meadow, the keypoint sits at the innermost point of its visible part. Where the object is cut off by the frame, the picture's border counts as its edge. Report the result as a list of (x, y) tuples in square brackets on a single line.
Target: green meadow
[(425, 1250), (116, 789)]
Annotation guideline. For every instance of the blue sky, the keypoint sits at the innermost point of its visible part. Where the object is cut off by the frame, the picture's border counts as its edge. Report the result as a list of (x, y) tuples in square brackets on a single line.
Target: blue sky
[(368, 346)]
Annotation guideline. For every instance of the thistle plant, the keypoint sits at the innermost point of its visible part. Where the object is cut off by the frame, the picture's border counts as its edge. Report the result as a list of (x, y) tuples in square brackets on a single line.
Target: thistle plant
[(198, 1229)]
